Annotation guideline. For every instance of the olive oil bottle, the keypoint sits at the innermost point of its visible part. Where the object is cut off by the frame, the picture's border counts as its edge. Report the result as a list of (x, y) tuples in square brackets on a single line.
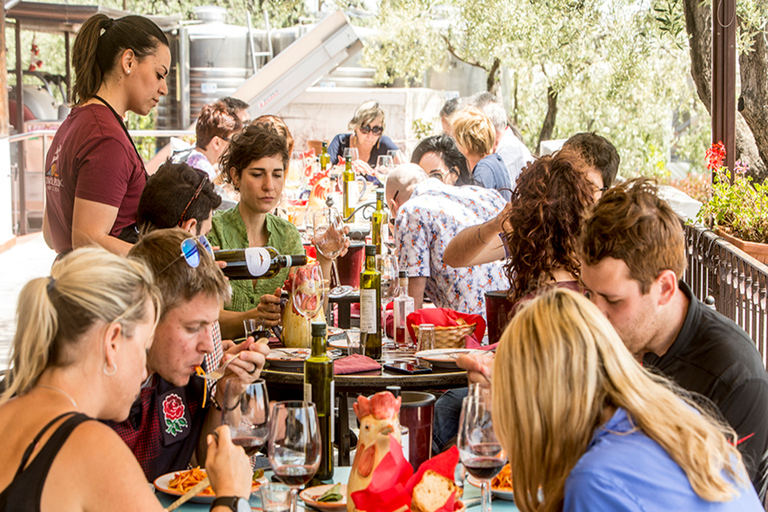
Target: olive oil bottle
[(319, 389), (370, 305)]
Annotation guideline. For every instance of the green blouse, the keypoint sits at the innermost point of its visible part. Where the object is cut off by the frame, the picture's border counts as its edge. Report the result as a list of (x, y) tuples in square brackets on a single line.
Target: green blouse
[(229, 232)]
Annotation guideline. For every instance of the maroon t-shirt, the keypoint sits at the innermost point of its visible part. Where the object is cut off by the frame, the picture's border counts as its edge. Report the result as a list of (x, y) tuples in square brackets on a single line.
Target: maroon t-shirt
[(91, 158)]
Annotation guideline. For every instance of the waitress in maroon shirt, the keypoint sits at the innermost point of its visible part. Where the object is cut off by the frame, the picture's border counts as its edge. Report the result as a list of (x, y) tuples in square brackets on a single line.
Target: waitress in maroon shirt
[(94, 175)]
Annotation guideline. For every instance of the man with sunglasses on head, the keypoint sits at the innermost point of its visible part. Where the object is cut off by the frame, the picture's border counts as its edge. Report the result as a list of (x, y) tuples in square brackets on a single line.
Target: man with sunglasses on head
[(428, 213), (169, 422)]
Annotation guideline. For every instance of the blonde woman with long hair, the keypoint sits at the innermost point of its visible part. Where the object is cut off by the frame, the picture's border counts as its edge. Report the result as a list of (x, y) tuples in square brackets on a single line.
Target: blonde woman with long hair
[(79, 354), (587, 428)]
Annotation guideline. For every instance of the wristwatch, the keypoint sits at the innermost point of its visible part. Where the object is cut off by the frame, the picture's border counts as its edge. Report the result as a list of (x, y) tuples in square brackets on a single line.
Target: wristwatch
[(235, 503)]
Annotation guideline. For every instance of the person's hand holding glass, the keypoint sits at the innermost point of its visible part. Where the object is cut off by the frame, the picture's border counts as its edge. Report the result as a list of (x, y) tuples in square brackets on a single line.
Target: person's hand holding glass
[(479, 448), (294, 444), (331, 240)]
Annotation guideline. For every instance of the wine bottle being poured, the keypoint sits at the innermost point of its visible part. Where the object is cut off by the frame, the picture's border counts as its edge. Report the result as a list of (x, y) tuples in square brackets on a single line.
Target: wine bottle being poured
[(256, 262)]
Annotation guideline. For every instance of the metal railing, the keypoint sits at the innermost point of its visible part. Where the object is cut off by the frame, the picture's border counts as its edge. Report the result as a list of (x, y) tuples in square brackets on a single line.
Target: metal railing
[(732, 281)]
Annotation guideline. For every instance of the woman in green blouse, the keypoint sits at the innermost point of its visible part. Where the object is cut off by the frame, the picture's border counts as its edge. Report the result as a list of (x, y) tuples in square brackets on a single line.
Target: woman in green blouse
[(255, 163)]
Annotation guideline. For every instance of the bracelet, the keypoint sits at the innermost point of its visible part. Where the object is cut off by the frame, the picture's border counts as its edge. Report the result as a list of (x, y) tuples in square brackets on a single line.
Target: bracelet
[(481, 238)]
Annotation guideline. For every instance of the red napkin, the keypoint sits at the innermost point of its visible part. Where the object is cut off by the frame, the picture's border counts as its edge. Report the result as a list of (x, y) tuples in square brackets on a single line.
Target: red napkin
[(444, 464), (387, 490), (355, 363), (444, 317)]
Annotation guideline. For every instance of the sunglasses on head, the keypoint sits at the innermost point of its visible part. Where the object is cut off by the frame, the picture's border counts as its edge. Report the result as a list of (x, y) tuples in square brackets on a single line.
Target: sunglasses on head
[(190, 251), (377, 130), (194, 196)]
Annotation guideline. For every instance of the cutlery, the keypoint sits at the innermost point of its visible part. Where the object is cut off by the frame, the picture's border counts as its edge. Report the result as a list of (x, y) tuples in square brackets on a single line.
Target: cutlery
[(219, 372), (202, 484)]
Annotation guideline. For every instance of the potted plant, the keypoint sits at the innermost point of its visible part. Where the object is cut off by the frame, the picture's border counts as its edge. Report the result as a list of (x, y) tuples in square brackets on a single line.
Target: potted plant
[(737, 209)]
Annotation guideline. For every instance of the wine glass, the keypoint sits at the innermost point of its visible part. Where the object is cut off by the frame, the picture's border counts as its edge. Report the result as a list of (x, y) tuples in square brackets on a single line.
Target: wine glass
[(396, 156), (479, 448), (330, 240), (384, 164), (390, 284), (351, 154), (294, 444), (245, 409), (308, 290)]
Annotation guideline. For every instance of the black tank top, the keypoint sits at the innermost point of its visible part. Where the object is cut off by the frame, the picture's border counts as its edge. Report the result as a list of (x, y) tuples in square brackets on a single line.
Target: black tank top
[(26, 488)]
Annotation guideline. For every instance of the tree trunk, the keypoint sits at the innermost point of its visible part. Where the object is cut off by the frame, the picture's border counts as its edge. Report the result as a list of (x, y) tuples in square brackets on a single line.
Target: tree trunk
[(750, 148), (548, 126), (490, 83)]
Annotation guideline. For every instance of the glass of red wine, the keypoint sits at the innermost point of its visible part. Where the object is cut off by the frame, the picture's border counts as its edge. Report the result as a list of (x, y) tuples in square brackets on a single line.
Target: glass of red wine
[(479, 448), (294, 444), (245, 409)]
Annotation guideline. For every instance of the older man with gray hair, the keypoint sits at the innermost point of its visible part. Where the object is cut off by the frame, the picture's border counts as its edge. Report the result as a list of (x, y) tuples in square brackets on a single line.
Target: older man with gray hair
[(508, 146), (428, 213)]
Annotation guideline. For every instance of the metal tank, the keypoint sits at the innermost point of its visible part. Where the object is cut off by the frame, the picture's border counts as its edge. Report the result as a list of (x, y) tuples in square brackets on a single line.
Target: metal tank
[(211, 59)]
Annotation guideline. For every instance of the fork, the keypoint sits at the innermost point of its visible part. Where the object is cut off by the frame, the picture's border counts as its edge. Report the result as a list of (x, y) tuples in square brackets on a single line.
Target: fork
[(218, 372)]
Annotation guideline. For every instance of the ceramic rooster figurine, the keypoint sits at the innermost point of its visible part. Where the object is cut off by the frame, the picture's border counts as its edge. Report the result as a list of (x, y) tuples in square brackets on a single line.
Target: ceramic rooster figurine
[(379, 418)]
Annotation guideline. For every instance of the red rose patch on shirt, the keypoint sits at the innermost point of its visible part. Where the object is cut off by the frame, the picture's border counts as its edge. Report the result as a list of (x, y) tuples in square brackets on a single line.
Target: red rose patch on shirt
[(173, 411)]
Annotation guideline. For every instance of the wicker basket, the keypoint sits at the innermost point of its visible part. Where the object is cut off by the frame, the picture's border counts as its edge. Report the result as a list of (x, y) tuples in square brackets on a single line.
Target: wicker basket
[(449, 336)]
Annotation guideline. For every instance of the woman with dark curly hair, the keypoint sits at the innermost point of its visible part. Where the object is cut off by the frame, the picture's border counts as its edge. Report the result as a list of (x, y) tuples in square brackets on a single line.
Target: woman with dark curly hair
[(543, 222)]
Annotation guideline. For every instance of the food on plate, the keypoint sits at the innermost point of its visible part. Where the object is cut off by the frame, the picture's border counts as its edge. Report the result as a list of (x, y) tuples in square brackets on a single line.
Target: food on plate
[(331, 495), (183, 481), (503, 481), (433, 492)]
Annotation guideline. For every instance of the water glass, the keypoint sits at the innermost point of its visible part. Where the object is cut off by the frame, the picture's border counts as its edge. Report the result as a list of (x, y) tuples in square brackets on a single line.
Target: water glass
[(275, 497), (426, 337), (353, 342), (255, 328)]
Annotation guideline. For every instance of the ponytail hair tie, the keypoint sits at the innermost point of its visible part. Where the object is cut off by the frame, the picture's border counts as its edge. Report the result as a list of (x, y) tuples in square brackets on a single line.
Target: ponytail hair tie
[(106, 26), (51, 283)]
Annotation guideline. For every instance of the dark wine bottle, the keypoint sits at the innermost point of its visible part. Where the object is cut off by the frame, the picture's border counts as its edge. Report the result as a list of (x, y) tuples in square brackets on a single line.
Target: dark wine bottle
[(379, 224), (319, 389), (256, 262), (370, 305)]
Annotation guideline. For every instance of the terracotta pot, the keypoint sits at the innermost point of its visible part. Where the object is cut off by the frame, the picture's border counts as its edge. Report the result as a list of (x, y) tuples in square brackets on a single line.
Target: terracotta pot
[(756, 250)]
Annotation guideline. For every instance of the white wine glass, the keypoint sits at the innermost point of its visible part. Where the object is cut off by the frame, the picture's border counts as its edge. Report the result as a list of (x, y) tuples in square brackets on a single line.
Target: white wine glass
[(330, 240), (294, 444), (479, 448)]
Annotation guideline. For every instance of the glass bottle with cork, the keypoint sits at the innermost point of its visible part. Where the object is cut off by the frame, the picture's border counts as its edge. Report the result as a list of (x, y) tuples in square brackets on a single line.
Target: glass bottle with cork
[(347, 189), (404, 305), (379, 223)]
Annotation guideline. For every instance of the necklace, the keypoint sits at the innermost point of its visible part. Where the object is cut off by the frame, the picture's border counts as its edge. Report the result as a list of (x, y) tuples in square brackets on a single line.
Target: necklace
[(60, 391)]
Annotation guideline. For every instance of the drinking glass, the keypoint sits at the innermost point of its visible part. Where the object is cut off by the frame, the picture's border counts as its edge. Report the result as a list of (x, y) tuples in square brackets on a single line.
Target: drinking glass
[(479, 448), (351, 154), (426, 337), (294, 444), (384, 164), (275, 497), (308, 291), (255, 328), (330, 239), (245, 409), (390, 285), (396, 156)]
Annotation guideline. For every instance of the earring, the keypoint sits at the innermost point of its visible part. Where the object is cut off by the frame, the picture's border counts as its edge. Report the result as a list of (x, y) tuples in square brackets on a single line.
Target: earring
[(128, 72), (109, 374)]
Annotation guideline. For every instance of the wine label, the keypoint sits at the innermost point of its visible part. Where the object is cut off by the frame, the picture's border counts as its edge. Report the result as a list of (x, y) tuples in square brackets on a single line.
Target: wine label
[(368, 311), (308, 392), (257, 259), (333, 410)]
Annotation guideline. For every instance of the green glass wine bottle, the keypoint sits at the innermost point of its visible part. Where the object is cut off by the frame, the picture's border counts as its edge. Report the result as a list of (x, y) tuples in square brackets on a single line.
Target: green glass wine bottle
[(370, 305), (319, 389), (325, 158), (348, 189)]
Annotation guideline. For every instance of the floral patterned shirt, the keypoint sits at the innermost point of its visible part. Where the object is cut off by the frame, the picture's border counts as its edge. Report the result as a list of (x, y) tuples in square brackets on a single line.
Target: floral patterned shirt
[(424, 226)]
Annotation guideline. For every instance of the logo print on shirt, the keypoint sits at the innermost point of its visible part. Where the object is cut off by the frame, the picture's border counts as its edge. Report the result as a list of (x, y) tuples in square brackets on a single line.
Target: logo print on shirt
[(173, 410)]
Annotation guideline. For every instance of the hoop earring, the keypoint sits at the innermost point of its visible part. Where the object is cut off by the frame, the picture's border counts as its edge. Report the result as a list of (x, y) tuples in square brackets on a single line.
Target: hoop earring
[(109, 374)]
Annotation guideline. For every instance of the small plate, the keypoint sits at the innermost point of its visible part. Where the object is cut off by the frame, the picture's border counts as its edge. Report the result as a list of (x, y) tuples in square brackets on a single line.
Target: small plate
[(340, 344), (161, 484), (334, 331), (293, 357), (446, 357), (499, 493), (310, 495)]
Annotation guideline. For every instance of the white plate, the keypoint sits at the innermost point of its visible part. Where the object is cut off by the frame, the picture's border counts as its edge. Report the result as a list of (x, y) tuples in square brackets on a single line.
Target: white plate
[(340, 344), (293, 357), (310, 495), (504, 495), (161, 484), (446, 357)]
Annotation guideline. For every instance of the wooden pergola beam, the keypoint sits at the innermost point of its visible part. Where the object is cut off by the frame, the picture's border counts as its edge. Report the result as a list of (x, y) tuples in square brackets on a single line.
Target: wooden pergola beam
[(724, 77)]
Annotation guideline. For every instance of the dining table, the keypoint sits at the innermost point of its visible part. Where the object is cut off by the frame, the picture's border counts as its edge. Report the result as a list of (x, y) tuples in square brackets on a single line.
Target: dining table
[(471, 497)]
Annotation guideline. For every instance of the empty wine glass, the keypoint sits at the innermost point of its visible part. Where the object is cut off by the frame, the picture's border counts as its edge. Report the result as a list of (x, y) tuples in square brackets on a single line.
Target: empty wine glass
[(397, 156), (308, 291), (479, 448), (351, 154), (330, 240), (294, 444), (245, 409), (384, 164)]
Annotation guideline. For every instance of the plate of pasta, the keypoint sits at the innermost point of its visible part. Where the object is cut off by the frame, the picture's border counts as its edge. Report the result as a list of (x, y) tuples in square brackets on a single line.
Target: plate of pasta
[(501, 485), (179, 482)]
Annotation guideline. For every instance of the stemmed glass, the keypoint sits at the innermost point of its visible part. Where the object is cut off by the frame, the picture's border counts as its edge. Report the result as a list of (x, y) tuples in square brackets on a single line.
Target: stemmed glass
[(384, 164), (308, 290), (351, 154), (390, 284), (294, 444), (330, 240), (479, 448), (245, 409)]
